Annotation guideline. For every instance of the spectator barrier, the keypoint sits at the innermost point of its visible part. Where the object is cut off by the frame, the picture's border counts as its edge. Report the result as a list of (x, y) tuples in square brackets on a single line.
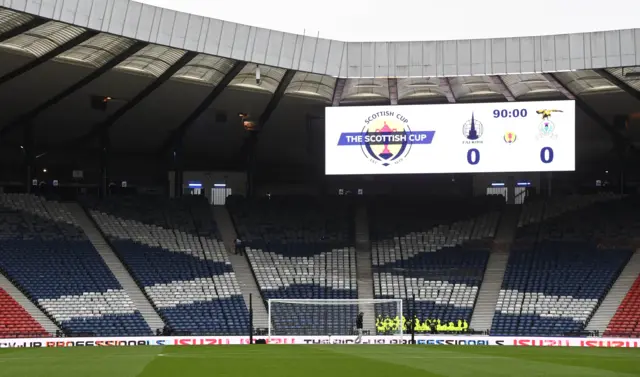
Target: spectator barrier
[(236, 340)]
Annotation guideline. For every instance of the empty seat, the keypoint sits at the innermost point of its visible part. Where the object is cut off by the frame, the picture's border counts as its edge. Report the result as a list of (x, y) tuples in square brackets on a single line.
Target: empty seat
[(48, 256), (15, 321), (301, 248), (174, 252), (626, 321), (434, 251), (554, 290)]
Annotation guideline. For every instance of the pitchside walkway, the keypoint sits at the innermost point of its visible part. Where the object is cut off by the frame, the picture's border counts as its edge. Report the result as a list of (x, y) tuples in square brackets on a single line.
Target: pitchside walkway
[(618, 291)]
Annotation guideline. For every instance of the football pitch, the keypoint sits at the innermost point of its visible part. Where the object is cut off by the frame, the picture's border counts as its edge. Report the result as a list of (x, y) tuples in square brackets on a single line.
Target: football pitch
[(319, 361)]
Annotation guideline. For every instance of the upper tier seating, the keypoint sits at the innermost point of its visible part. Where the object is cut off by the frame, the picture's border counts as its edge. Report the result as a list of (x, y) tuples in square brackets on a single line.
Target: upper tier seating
[(301, 248), (15, 322), (626, 321), (173, 251), (554, 291), (47, 256), (434, 250), (538, 216)]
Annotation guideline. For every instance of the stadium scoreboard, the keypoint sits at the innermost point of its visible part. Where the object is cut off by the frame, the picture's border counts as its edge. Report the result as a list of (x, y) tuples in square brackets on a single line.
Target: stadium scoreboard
[(450, 138)]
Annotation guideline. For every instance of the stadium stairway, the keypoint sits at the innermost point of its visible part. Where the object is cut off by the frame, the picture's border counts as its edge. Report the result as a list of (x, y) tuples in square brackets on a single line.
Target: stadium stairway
[(506, 232), (617, 293), (225, 226), (365, 289), (364, 274), (248, 286), (28, 305), (487, 300), (362, 227), (115, 265), (240, 264)]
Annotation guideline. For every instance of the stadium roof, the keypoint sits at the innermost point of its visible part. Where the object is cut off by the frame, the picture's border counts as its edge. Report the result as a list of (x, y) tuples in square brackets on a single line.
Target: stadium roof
[(162, 95)]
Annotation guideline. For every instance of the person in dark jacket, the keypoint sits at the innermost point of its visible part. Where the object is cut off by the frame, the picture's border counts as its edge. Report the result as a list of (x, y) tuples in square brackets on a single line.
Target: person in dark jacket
[(359, 323)]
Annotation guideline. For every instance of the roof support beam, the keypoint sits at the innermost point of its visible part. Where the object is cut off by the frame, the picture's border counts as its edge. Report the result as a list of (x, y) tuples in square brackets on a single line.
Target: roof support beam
[(622, 143), (393, 91), (105, 125), (275, 99), (21, 29), (445, 86), (178, 134), (337, 91), (619, 83), (46, 57), (504, 89), (23, 119)]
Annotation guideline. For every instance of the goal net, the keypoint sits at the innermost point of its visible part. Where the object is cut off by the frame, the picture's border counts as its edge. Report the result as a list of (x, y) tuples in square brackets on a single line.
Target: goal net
[(328, 317)]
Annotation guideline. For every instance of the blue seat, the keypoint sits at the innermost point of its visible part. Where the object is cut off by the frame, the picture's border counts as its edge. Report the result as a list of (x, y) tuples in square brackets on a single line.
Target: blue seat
[(174, 252), (51, 260)]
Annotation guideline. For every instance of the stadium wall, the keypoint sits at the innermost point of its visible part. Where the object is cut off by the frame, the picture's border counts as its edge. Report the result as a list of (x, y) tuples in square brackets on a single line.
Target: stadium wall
[(472, 341)]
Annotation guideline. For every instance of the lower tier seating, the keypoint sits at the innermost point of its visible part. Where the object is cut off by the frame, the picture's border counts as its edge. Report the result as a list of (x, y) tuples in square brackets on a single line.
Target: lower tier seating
[(299, 248), (554, 291), (444, 284), (434, 251), (626, 321), (49, 258), (173, 251), (15, 321), (328, 275)]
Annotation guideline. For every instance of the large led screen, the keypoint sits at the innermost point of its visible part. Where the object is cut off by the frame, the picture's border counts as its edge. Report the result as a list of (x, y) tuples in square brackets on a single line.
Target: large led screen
[(451, 138)]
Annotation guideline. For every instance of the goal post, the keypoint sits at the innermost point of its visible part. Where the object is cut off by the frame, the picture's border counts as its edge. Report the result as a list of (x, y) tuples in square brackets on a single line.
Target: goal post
[(328, 317)]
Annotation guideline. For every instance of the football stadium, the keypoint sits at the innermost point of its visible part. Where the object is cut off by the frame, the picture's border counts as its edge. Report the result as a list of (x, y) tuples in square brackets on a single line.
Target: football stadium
[(183, 195)]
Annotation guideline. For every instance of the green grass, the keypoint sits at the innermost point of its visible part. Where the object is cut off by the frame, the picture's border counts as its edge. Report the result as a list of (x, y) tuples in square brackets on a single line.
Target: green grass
[(319, 361)]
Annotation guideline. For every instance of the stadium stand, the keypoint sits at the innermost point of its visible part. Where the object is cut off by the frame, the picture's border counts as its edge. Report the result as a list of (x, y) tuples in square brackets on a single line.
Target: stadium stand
[(536, 212), (46, 255), (436, 251), (173, 251), (563, 266), (626, 321), (301, 248), (15, 322)]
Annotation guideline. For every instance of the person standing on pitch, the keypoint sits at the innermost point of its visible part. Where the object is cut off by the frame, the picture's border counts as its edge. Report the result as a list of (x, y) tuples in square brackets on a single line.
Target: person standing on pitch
[(359, 321)]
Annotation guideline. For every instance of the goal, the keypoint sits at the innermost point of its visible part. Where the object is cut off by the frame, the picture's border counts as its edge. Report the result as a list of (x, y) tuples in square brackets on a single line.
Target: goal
[(328, 317)]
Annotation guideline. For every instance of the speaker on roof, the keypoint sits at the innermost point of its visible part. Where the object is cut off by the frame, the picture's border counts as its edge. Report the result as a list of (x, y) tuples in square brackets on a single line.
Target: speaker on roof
[(100, 102)]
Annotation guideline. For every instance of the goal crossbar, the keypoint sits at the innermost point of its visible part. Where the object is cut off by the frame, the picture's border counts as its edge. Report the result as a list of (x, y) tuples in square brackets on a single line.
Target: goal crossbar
[(330, 302)]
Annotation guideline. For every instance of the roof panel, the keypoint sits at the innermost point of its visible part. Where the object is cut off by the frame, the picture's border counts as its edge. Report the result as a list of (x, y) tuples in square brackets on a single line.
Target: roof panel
[(205, 69), (10, 20), (630, 75), (586, 82), (529, 85), (270, 78), (311, 85), (419, 88), (152, 60), (470, 87), (365, 90), (96, 51), (42, 39)]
